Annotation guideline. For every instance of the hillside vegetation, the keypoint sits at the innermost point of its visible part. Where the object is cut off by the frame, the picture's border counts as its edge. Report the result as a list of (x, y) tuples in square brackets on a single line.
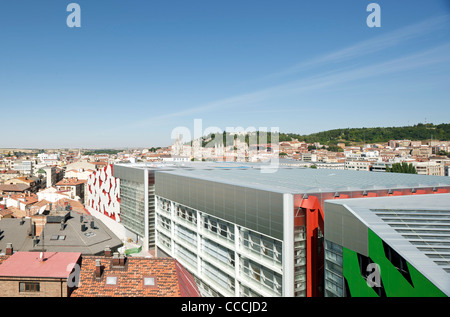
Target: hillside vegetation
[(419, 132)]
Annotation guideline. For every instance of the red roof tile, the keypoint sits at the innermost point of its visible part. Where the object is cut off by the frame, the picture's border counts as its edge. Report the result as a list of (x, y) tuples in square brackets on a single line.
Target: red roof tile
[(171, 280)]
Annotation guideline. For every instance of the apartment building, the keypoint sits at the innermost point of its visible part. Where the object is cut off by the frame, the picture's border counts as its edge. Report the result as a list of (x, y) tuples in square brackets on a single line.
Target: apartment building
[(24, 167), (429, 168), (6, 175), (74, 187), (358, 165)]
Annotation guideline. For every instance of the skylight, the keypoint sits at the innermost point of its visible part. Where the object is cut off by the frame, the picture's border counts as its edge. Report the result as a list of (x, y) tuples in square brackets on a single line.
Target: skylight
[(111, 280), (149, 281)]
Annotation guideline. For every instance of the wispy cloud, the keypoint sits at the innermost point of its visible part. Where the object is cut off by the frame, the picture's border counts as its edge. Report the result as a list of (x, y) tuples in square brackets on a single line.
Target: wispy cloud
[(371, 46), (434, 56), (335, 76)]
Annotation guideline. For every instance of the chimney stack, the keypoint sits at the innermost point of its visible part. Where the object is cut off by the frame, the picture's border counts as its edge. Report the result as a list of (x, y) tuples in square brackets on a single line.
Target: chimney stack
[(121, 260), (9, 249), (115, 259), (107, 252), (62, 225), (98, 268)]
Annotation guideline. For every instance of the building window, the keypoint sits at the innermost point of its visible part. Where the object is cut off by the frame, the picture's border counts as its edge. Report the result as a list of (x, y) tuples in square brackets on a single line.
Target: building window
[(29, 287)]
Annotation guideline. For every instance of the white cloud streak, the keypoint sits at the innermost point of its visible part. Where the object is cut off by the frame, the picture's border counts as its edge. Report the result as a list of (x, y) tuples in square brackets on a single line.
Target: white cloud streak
[(434, 56)]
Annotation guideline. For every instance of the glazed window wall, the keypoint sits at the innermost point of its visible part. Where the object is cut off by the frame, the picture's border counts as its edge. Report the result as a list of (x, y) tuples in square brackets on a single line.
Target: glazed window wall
[(186, 235), (257, 274), (221, 229), (261, 246), (165, 242), (334, 279), (164, 224), (132, 206), (218, 252), (151, 215), (299, 262), (247, 292), (186, 257), (219, 278)]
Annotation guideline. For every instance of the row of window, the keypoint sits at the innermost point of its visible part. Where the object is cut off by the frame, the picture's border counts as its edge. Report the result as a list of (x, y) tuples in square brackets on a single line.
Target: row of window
[(260, 246)]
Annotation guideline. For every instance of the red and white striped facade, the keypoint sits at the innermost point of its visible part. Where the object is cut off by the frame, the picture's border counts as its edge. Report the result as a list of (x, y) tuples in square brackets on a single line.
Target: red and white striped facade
[(103, 193)]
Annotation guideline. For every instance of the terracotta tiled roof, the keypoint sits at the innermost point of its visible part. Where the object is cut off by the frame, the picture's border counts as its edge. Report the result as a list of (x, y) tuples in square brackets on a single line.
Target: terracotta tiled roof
[(14, 187), (26, 199), (5, 212), (171, 280), (76, 205), (41, 203), (16, 212), (70, 182)]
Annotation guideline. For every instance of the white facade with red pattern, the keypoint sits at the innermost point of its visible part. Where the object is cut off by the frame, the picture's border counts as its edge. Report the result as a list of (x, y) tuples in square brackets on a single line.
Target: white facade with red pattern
[(103, 198)]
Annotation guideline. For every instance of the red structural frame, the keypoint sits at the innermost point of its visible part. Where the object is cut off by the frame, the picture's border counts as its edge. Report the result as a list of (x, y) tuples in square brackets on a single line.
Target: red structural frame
[(313, 208)]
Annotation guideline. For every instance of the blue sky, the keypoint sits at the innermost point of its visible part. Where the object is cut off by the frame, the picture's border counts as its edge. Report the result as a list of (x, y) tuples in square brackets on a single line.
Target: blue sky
[(136, 70)]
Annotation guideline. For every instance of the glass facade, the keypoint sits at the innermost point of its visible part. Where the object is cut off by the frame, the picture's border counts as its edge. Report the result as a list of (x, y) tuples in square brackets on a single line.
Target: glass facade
[(137, 201), (334, 278), (132, 206), (226, 259)]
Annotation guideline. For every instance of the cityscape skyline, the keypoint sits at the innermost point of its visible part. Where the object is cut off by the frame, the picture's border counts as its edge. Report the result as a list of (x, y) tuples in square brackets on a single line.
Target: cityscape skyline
[(131, 74)]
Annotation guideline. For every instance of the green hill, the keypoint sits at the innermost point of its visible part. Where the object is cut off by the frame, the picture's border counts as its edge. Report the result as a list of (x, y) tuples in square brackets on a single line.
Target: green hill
[(419, 132)]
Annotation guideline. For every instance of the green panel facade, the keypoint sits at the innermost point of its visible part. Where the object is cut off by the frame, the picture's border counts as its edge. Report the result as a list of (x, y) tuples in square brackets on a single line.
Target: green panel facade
[(398, 277)]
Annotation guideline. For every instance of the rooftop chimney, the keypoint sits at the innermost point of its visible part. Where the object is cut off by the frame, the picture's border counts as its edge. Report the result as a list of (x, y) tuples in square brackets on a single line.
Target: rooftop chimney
[(115, 259), (98, 268), (9, 249), (62, 225), (107, 252), (121, 260)]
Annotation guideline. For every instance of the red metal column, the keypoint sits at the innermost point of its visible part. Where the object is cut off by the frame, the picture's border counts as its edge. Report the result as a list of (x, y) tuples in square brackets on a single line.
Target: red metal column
[(314, 222)]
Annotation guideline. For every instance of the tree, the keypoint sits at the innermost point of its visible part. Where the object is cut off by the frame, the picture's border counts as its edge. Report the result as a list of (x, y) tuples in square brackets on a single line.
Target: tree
[(402, 168)]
